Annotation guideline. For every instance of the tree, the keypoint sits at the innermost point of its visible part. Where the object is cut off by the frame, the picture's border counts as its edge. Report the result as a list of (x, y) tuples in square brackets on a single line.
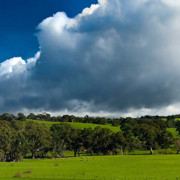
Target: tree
[(7, 117), (170, 123), (5, 140), (147, 135), (19, 147), (102, 138), (76, 141), (87, 139), (154, 136), (165, 139), (61, 137), (38, 138), (100, 120), (177, 125), (118, 141), (31, 116), (115, 122), (129, 127), (21, 117)]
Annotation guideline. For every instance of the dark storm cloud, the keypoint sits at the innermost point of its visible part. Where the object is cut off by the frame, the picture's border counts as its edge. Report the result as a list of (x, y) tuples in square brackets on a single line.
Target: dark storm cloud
[(114, 56)]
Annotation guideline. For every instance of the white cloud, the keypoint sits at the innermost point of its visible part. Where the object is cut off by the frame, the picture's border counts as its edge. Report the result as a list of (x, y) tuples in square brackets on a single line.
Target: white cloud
[(31, 62), (114, 58), (89, 11), (172, 3), (17, 65), (58, 23), (102, 2), (12, 66)]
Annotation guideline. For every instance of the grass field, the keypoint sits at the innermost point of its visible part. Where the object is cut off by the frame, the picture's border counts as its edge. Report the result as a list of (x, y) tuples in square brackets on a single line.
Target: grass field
[(174, 132), (79, 125), (159, 167)]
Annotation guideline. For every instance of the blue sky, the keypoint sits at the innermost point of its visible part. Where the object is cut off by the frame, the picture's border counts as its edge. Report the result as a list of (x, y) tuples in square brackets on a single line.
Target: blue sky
[(19, 19)]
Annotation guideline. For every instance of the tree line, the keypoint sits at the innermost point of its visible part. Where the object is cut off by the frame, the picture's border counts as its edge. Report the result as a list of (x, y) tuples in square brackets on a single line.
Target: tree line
[(170, 120), (20, 139)]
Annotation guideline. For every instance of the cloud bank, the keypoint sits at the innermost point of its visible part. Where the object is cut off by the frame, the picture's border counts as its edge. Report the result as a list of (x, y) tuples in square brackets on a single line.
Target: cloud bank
[(115, 57)]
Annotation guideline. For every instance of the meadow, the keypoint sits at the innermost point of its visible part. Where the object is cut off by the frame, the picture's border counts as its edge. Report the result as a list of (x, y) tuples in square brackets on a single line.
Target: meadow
[(159, 167), (79, 125)]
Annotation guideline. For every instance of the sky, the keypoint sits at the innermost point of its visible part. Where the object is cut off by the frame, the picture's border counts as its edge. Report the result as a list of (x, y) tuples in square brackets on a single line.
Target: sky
[(19, 19), (101, 58)]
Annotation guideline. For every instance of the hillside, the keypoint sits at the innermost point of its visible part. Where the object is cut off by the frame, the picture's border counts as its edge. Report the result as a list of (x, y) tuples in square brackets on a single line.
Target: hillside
[(79, 125), (89, 125)]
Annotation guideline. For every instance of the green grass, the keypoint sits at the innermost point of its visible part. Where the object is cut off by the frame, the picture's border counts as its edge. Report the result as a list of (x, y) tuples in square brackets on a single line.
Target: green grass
[(164, 119), (174, 132), (79, 125), (47, 123), (88, 125), (103, 167)]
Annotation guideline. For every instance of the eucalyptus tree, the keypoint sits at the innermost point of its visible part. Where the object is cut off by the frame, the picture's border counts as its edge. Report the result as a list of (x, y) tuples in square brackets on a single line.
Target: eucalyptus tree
[(38, 138), (61, 138)]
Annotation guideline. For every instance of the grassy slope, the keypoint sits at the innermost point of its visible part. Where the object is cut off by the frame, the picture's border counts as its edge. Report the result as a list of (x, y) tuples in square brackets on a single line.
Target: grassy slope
[(87, 125), (174, 132), (79, 125), (108, 167)]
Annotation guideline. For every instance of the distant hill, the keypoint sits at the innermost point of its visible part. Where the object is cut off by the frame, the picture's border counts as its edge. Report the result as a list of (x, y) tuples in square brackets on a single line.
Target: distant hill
[(79, 125)]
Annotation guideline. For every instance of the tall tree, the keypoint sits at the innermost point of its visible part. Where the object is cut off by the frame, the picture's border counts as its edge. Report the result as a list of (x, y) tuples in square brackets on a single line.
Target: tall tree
[(76, 141), (61, 138), (118, 141), (21, 117), (6, 135), (38, 137)]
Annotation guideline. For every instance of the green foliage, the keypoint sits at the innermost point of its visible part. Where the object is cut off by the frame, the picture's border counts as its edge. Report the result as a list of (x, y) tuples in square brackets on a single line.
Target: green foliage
[(174, 132), (151, 133), (115, 122), (61, 137), (178, 126), (21, 117), (6, 135), (19, 139), (38, 138)]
